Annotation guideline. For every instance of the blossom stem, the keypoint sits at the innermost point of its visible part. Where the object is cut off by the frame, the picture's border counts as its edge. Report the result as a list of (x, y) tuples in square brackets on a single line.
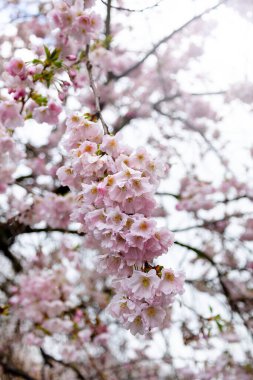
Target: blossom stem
[(94, 89)]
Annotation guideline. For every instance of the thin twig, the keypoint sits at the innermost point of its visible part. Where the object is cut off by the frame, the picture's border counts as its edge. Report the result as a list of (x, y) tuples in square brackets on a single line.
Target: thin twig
[(191, 127), (108, 22), (232, 303), (94, 89), (209, 223), (179, 95), (132, 10)]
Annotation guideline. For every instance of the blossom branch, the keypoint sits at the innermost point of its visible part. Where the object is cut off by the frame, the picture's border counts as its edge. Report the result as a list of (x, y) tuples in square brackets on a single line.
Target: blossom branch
[(180, 94), (94, 89), (232, 303), (209, 223), (191, 127), (165, 39)]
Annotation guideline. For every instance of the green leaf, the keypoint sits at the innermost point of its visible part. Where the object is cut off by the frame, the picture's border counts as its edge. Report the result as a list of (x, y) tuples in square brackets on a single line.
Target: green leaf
[(107, 41), (37, 61), (47, 51), (4, 310), (39, 99), (58, 64), (29, 115), (37, 77), (55, 54), (43, 329), (48, 76), (220, 326)]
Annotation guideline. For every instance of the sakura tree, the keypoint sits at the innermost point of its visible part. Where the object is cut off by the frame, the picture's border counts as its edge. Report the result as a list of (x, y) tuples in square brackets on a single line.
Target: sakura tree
[(126, 219)]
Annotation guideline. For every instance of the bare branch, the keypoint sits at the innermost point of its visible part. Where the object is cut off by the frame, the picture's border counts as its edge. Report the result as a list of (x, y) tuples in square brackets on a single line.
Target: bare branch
[(132, 10), (232, 303), (197, 130)]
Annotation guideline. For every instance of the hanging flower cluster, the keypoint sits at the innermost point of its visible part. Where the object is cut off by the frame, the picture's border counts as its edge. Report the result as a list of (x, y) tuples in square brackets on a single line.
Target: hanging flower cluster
[(115, 188)]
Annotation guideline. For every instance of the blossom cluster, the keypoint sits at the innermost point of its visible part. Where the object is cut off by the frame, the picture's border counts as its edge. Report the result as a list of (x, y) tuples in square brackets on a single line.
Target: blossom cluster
[(74, 26), (11, 154), (21, 82), (115, 188), (42, 295), (47, 297), (52, 209), (74, 21), (144, 300), (195, 195)]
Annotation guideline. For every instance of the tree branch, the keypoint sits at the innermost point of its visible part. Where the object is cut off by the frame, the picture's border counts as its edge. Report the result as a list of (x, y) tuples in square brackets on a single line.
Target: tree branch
[(94, 89), (48, 359), (232, 303), (165, 39), (15, 371), (132, 10), (211, 222), (7, 236), (108, 20)]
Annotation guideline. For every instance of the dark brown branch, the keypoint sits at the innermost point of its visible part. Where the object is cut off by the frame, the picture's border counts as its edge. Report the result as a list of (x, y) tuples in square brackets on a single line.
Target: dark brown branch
[(162, 193), (123, 121), (47, 229), (15, 371), (48, 359), (14, 229), (200, 254), (7, 236), (9, 255)]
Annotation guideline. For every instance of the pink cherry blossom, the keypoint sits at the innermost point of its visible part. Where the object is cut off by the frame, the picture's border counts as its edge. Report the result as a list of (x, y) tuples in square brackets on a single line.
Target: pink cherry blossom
[(143, 285), (10, 117), (16, 67), (171, 282), (47, 114)]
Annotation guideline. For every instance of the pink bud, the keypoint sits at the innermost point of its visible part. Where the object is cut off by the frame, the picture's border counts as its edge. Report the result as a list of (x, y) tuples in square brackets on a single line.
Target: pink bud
[(71, 57)]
